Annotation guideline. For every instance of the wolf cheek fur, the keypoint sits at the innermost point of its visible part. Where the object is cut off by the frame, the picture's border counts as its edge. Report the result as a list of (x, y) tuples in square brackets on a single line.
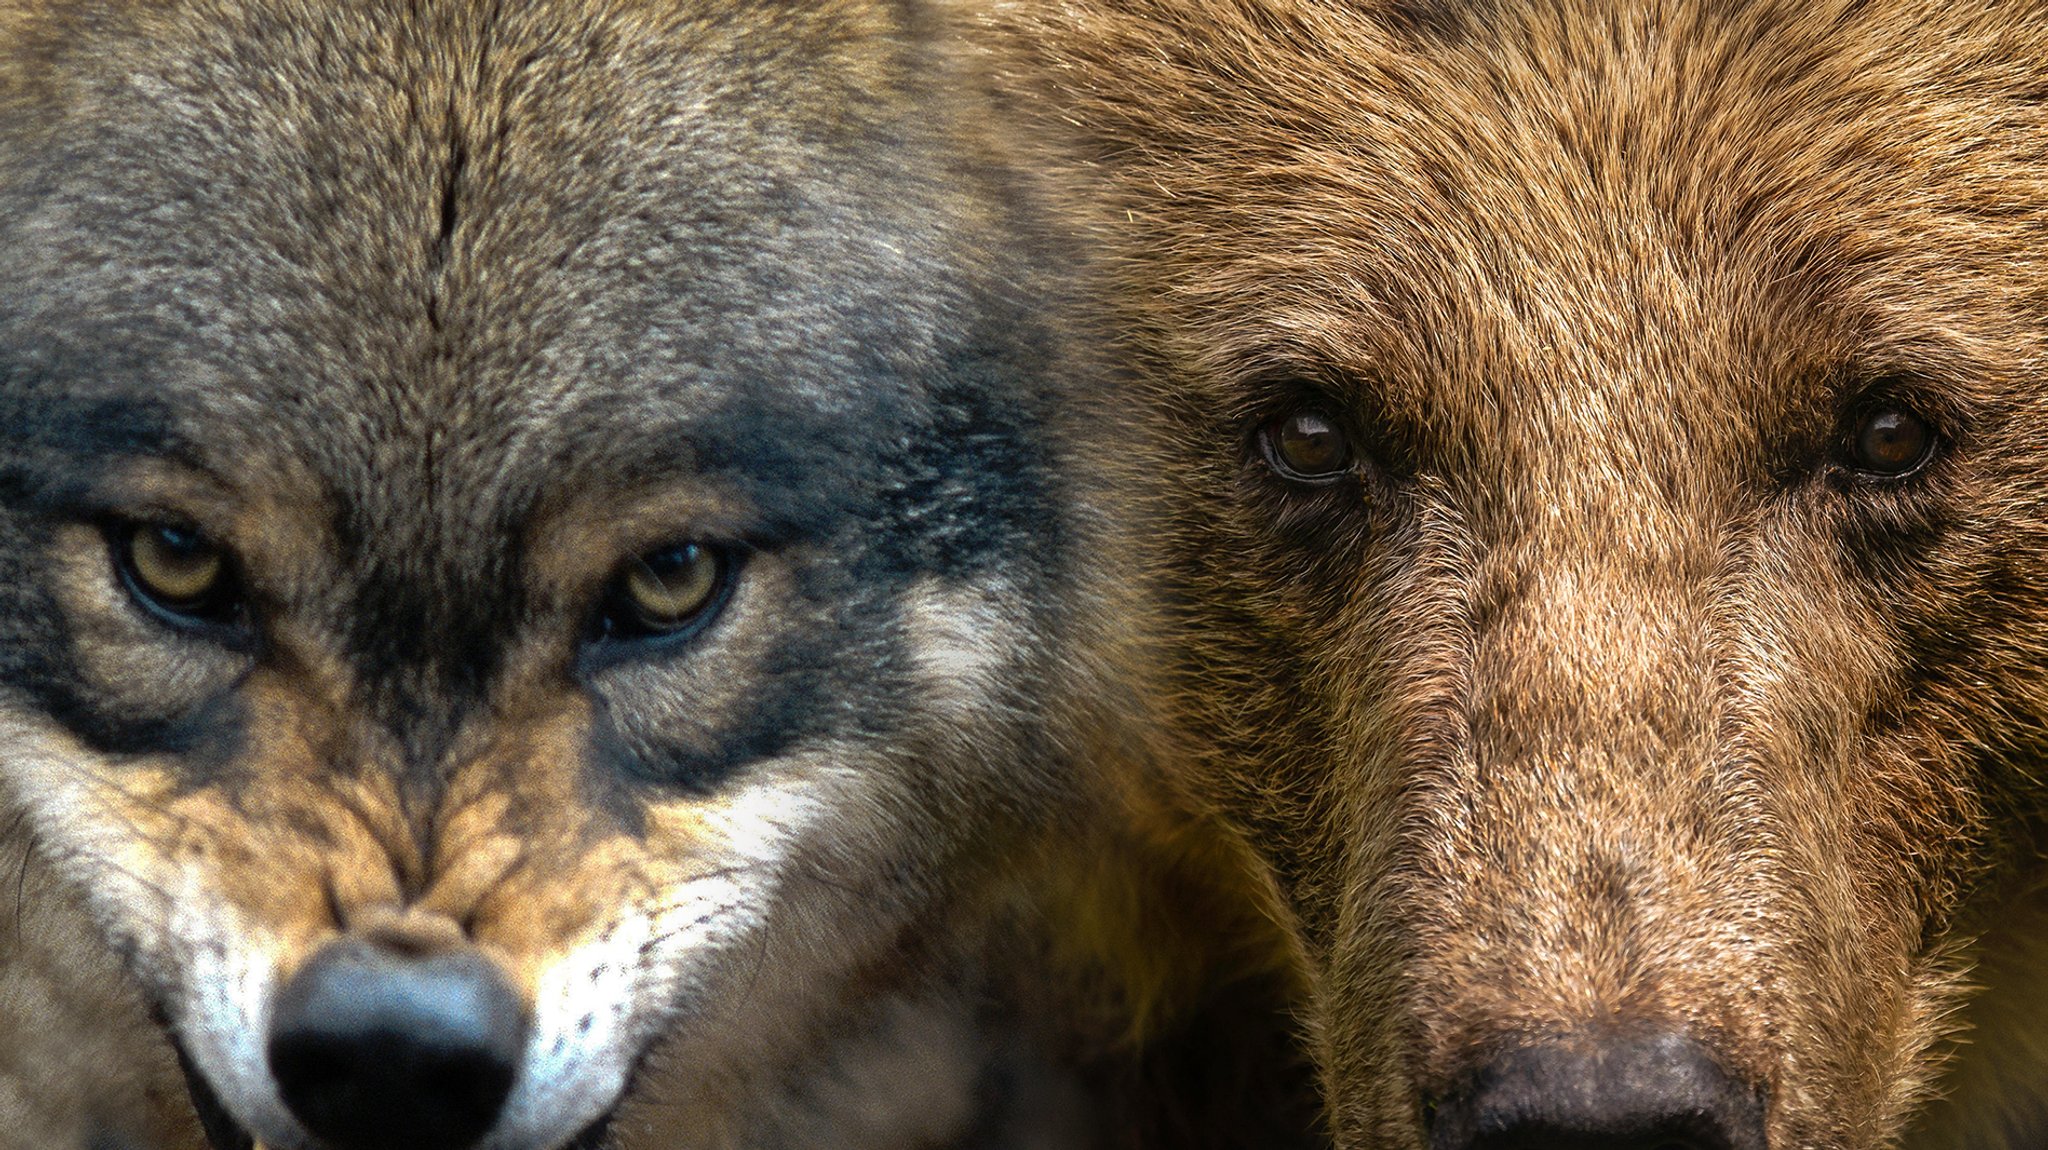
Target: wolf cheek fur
[(582, 510), (1644, 711)]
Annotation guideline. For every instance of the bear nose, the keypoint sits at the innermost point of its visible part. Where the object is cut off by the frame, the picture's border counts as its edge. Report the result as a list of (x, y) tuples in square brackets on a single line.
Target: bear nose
[(374, 1049), (1662, 1092)]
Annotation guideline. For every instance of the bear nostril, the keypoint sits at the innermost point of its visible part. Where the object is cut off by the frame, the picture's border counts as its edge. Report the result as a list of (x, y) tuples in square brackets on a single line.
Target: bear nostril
[(373, 1049), (1662, 1092)]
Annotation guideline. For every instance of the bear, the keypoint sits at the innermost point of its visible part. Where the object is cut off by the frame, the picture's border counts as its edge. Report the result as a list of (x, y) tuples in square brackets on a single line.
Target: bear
[(1609, 561)]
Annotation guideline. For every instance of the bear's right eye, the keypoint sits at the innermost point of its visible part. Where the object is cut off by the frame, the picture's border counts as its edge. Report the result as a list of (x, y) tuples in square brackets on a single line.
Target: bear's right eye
[(1891, 442), (1306, 447), (176, 572)]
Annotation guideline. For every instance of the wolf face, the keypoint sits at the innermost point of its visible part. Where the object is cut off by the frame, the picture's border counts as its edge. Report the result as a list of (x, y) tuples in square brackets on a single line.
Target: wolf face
[(516, 531), (1615, 585)]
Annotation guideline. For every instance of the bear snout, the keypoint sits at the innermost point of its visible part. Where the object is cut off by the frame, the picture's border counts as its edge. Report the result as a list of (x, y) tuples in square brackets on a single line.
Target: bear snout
[(1660, 1091)]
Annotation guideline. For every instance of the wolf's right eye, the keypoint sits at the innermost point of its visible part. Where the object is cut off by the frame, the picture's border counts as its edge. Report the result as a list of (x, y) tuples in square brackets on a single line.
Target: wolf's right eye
[(666, 592), (176, 572)]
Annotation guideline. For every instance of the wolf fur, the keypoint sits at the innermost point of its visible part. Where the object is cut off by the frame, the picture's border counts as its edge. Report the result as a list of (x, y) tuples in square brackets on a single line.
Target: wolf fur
[(1603, 693), (433, 316)]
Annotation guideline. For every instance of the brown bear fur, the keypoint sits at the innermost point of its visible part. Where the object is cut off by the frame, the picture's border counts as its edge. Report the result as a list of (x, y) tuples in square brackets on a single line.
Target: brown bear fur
[(1606, 692)]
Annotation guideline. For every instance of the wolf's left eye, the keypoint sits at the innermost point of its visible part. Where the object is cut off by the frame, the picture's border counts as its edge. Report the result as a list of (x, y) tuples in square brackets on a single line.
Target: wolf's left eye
[(176, 572), (666, 592)]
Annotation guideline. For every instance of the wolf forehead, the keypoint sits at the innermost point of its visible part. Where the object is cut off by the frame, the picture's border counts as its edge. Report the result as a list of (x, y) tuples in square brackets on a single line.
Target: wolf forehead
[(395, 288), (444, 260)]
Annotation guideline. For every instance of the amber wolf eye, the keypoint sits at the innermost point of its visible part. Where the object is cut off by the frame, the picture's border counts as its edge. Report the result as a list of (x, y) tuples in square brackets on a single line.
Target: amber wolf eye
[(176, 573), (666, 592), (1891, 442), (1306, 447)]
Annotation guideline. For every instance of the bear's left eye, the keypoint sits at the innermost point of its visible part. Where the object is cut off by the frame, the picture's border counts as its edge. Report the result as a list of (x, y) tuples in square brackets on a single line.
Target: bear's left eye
[(668, 591), (1891, 442)]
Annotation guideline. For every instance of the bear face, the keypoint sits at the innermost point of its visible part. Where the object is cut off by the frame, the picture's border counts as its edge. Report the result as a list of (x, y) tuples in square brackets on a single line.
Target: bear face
[(1608, 538)]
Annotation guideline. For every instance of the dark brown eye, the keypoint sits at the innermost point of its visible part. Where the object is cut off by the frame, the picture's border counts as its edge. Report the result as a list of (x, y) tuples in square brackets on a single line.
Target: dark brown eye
[(1306, 446), (666, 592), (1892, 442), (176, 571)]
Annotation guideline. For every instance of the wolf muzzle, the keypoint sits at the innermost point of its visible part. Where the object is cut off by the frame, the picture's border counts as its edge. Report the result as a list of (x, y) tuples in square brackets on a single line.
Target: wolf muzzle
[(374, 1047)]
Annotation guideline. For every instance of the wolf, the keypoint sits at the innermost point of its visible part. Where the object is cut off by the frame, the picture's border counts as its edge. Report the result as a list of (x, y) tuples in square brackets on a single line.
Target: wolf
[(1612, 559), (553, 555)]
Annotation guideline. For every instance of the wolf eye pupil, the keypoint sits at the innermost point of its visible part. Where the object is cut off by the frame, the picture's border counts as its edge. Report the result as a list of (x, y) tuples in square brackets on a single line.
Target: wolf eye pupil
[(1307, 445), (1892, 442), (176, 569), (664, 591)]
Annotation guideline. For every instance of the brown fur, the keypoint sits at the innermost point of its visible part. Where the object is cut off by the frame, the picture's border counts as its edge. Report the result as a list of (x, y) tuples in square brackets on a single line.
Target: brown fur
[(1603, 696)]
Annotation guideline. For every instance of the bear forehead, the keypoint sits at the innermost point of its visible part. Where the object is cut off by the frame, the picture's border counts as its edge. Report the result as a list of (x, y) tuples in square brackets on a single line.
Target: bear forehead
[(1665, 212)]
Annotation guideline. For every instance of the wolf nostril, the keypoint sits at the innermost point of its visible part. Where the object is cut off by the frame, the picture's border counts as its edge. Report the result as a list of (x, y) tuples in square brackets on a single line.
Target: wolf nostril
[(373, 1049), (1662, 1092)]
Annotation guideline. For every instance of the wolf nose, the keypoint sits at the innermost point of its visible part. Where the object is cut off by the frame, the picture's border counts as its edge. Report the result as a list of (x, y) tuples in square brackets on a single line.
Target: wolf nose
[(1663, 1092), (374, 1049)]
